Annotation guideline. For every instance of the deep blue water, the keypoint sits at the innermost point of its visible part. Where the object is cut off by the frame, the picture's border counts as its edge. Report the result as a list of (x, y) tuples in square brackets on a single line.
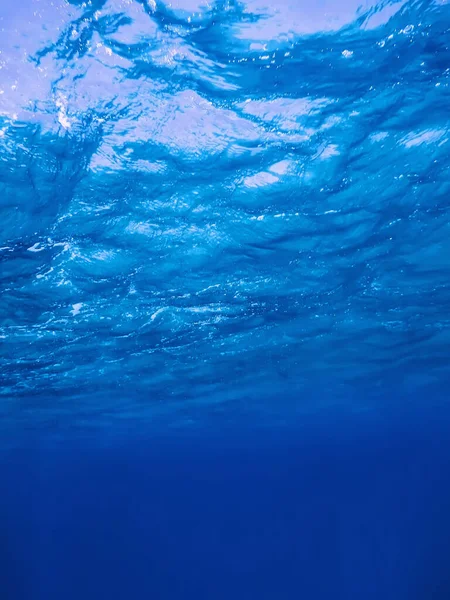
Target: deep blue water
[(360, 512), (224, 299)]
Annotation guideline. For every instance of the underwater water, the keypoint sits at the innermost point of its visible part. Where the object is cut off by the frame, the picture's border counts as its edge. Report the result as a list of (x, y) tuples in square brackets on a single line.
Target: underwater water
[(225, 299)]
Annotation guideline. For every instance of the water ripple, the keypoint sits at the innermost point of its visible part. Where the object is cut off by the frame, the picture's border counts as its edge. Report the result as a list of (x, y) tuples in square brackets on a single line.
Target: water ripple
[(205, 203)]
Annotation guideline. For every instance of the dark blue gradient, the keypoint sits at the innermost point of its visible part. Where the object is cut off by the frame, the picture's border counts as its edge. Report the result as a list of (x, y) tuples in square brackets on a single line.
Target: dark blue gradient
[(361, 511)]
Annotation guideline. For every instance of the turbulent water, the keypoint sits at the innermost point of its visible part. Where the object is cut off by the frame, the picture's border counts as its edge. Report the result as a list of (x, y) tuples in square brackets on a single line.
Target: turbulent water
[(218, 209)]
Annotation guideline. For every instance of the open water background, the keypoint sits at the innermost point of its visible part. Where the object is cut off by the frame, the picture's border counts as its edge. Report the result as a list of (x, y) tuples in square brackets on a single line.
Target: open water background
[(224, 299)]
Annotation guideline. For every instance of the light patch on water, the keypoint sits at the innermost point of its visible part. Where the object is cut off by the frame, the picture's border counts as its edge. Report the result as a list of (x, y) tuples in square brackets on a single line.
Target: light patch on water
[(150, 167), (328, 152), (44, 275), (378, 137), (284, 109), (76, 309), (379, 18), (142, 228), (36, 247), (138, 28), (331, 122), (429, 136), (158, 312), (284, 21), (260, 179), (103, 255), (281, 167), (63, 119), (256, 46)]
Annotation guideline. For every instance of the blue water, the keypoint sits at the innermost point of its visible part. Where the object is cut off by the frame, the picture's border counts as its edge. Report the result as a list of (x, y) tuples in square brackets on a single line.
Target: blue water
[(225, 299)]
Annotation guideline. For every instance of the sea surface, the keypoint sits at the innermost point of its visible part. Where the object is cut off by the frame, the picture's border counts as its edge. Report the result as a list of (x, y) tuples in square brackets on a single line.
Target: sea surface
[(224, 300)]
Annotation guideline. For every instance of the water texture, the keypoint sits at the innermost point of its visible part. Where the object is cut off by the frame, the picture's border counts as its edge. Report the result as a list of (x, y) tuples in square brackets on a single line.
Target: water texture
[(224, 300), (222, 208)]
